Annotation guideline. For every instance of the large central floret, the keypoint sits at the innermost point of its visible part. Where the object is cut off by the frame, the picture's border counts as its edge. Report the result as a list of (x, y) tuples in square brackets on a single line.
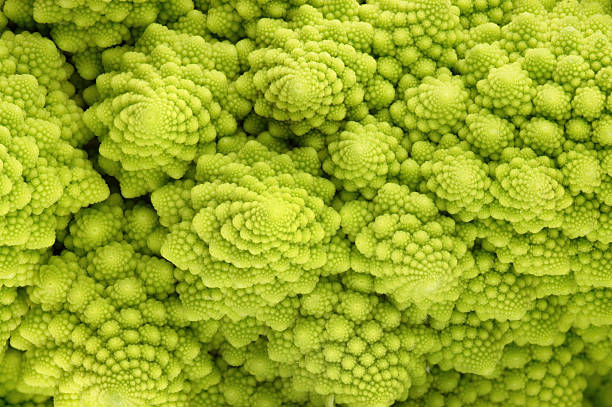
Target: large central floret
[(258, 231)]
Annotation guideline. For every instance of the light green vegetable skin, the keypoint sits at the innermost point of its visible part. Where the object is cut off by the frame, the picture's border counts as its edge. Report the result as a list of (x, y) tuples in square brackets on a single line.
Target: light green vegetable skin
[(317, 203)]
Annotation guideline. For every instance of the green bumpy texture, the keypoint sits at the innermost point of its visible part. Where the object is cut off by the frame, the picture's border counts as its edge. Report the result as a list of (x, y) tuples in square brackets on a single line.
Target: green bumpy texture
[(422, 33), (528, 192), (402, 240), (312, 73), (12, 391), (540, 376), (353, 345), (80, 24), (254, 230), (106, 326), (351, 203), (13, 306), (155, 110), (365, 155), (460, 182), (439, 105), (44, 178)]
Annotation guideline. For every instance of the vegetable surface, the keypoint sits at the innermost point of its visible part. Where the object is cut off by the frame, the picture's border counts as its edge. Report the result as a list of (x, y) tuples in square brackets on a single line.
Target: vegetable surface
[(265, 203)]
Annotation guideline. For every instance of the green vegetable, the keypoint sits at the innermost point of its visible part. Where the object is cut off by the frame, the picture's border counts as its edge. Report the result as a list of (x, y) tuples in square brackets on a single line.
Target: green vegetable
[(317, 203)]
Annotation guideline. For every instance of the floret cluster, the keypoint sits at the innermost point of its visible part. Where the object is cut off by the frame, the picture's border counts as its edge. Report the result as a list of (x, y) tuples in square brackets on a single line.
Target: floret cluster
[(317, 203)]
